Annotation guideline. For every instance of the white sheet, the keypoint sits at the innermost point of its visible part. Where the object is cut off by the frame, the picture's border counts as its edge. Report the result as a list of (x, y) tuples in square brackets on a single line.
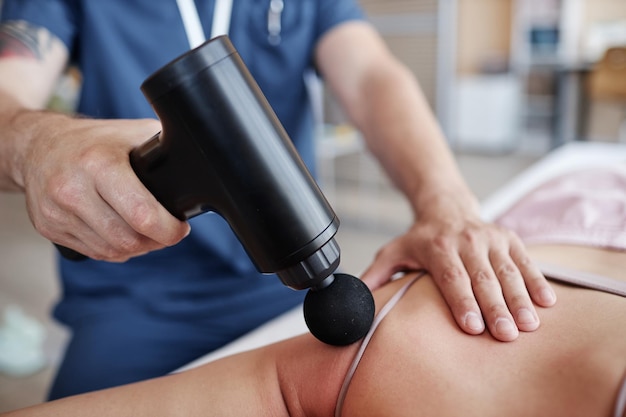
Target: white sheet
[(570, 157)]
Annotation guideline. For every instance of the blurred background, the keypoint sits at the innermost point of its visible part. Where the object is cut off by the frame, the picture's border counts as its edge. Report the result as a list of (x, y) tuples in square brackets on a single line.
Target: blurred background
[(509, 81)]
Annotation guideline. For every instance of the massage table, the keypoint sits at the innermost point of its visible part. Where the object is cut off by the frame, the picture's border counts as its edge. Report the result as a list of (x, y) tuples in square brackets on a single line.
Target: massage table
[(570, 157)]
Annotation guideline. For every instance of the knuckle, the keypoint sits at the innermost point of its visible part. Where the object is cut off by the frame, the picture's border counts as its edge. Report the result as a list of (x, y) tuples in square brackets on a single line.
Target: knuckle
[(497, 310), (103, 254), (450, 276), (48, 214), (507, 272), (526, 262), (120, 240), (65, 192), (465, 303), (471, 236), (129, 245), (518, 300), (482, 277), (142, 218), (94, 159), (442, 243)]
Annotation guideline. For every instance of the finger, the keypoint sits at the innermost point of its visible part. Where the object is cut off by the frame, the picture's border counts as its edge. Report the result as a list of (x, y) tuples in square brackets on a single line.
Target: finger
[(140, 211), (377, 273), (112, 239), (55, 219), (389, 260), (105, 236), (488, 292), (69, 231), (538, 286), (451, 277), (515, 291), (102, 233), (93, 247)]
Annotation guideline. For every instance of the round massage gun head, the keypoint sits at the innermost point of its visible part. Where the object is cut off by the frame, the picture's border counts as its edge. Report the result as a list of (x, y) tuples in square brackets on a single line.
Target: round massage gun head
[(339, 311)]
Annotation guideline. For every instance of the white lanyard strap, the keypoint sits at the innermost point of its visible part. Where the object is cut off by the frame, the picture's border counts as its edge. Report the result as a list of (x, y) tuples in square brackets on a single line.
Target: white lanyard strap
[(193, 26), (221, 17)]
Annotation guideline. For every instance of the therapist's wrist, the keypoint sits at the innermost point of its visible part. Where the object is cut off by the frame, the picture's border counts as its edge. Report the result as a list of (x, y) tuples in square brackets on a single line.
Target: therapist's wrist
[(29, 128), (446, 201)]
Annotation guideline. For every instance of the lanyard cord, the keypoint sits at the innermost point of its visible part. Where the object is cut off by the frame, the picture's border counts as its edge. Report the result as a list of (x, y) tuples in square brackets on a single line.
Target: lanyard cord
[(193, 26)]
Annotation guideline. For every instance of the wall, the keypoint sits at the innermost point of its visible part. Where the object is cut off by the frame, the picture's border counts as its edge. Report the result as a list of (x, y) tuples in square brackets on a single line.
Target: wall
[(484, 34)]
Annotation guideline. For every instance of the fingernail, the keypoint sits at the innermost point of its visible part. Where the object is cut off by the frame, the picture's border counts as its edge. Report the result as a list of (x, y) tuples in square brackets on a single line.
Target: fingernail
[(547, 296), (473, 322), (525, 316), (504, 326)]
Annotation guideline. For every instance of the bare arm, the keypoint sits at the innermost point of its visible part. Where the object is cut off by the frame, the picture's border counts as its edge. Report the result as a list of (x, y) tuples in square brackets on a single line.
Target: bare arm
[(296, 377), (80, 189), (383, 100), (474, 264), (31, 60), (243, 385)]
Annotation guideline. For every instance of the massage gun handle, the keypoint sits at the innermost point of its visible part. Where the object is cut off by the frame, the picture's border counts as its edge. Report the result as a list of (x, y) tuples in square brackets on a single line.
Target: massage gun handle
[(70, 254)]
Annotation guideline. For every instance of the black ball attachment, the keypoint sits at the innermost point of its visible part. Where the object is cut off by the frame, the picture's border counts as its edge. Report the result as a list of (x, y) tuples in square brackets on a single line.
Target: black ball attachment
[(339, 313)]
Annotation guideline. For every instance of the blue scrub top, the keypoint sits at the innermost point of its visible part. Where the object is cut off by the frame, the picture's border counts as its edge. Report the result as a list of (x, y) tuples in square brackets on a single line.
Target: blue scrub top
[(207, 278)]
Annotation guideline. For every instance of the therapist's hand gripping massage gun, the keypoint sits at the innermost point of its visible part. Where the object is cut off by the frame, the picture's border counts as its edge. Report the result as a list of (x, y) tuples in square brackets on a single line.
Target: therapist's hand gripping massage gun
[(223, 149)]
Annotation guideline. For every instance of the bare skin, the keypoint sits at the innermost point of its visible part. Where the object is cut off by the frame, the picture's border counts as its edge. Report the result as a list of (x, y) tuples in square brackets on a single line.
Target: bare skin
[(82, 193), (417, 364), (573, 370)]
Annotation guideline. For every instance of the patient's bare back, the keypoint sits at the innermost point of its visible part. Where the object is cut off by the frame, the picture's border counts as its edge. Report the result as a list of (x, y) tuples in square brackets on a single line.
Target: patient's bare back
[(420, 364)]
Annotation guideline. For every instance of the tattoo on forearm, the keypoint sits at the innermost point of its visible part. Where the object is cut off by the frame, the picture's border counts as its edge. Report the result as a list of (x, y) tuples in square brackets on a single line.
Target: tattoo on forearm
[(21, 39)]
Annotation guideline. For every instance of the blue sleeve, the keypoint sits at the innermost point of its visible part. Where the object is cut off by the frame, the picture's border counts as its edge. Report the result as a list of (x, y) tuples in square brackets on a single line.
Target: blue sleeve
[(57, 16), (334, 12)]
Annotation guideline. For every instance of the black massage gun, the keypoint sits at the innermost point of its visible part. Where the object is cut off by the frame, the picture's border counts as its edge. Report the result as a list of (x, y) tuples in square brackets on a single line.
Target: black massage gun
[(223, 149)]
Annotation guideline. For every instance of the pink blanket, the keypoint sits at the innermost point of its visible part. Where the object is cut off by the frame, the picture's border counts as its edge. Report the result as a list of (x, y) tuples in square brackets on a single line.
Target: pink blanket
[(587, 207)]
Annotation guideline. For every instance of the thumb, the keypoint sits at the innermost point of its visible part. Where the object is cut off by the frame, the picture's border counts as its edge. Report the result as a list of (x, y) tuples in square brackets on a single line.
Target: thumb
[(380, 271), (390, 260)]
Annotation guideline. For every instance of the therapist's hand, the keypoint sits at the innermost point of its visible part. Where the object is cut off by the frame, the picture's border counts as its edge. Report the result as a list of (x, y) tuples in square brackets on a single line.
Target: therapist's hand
[(82, 193), (481, 269)]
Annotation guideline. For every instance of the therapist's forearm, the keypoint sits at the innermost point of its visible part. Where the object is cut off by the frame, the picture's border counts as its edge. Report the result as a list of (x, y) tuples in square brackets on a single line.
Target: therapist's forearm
[(23, 119), (384, 101), (18, 127), (31, 60), (401, 130), (14, 140)]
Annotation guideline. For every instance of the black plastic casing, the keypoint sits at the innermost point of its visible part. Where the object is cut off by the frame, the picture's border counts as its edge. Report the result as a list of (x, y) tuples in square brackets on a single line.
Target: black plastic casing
[(223, 149)]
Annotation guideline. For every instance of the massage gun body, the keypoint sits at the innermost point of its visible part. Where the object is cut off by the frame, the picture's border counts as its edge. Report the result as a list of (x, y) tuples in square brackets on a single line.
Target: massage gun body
[(223, 149)]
